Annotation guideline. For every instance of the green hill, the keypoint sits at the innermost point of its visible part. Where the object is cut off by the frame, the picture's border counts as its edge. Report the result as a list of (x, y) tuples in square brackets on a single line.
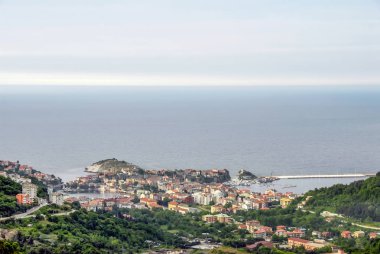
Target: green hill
[(360, 199)]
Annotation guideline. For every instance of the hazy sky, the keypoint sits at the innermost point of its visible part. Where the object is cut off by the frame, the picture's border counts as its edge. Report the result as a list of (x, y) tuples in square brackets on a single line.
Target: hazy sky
[(194, 42)]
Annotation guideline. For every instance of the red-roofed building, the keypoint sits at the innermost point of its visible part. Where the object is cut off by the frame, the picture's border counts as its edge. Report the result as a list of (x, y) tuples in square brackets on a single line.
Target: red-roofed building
[(23, 199), (259, 233), (172, 205), (346, 234), (252, 225), (269, 230), (373, 235), (281, 232), (297, 242)]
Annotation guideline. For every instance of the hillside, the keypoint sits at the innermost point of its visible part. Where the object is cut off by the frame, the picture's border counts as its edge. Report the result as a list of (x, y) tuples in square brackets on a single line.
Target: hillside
[(8, 191), (119, 231), (360, 199)]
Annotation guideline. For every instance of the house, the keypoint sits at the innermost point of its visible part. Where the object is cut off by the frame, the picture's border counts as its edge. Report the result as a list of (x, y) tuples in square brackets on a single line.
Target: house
[(145, 201), (345, 234), (373, 235), (93, 205), (252, 225), (285, 201), (281, 232), (242, 226), (209, 218), (23, 199), (153, 204), (172, 205), (296, 242), (217, 209), (268, 230), (358, 234), (221, 218), (124, 202), (259, 233), (308, 245), (326, 234), (224, 218), (297, 233)]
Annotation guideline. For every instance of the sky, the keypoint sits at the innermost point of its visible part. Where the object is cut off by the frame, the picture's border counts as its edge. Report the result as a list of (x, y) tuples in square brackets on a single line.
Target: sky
[(197, 42)]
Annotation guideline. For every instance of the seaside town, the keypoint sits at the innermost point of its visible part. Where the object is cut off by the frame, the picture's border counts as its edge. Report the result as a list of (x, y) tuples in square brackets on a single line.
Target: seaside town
[(189, 191)]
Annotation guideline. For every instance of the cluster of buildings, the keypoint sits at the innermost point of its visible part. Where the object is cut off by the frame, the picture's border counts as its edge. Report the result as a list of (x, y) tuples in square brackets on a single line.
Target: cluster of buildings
[(358, 234), (23, 173), (162, 179), (295, 236), (182, 196), (29, 195), (182, 188)]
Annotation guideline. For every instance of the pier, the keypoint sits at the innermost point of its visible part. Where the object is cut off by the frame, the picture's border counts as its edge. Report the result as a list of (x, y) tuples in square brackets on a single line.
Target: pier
[(361, 175)]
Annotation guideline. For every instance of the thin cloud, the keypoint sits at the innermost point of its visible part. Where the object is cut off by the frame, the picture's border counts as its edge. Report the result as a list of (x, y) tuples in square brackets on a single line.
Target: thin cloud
[(73, 79)]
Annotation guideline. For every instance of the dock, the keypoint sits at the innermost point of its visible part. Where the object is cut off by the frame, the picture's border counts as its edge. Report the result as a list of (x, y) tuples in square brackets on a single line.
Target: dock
[(361, 175)]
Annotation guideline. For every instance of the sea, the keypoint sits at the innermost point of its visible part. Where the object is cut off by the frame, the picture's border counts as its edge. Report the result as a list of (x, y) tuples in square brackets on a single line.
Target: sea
[(266, 130)]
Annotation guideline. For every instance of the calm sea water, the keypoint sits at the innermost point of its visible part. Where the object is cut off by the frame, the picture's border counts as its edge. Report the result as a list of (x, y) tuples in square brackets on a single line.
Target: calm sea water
[(276, 130)]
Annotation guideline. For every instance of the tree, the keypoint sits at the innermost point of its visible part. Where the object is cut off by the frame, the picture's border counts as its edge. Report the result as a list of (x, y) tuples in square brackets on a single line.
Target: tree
[(7, 247)]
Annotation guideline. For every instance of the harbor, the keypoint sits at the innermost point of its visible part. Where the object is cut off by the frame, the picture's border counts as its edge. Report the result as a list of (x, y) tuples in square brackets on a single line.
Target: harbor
[(298, 184)]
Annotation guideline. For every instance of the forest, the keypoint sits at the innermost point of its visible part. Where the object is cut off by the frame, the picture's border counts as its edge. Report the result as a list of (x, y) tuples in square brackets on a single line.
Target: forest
[(360, 199)]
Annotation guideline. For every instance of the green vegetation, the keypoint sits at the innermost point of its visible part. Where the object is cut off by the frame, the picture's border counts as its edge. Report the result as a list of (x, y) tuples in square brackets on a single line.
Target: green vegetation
[(53, 209), (9, 187), (90, 232), (8, 191), (7, 247), (359, 246), (289, 216), (42, 189), (359, 199)]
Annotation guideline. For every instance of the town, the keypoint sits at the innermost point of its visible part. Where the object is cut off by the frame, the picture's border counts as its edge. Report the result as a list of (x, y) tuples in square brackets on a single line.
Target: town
[(188, 191)]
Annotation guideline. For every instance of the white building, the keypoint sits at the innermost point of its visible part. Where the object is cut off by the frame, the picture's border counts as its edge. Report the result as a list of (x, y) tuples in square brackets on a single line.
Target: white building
[(56, 198), (202, 198), (30, 189)]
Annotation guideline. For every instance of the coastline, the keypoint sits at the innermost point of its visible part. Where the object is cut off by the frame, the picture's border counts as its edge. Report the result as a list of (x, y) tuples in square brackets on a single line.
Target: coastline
[(300, 186)]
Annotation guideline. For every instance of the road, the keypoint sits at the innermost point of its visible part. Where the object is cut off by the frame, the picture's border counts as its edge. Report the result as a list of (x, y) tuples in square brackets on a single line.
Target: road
[(364, 226), (26, 214), (342, 218)]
